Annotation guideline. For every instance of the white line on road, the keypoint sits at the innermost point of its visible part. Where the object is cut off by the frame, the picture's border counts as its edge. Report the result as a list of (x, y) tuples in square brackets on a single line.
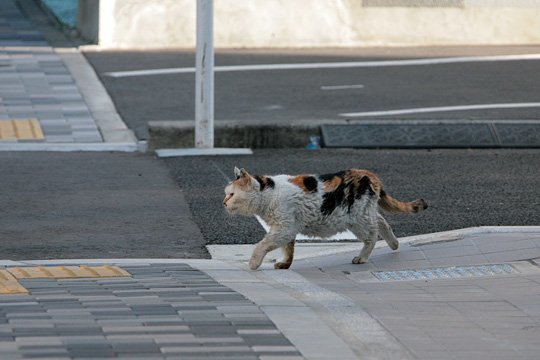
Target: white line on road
[(331, 65), (341, 87), (442, 109)]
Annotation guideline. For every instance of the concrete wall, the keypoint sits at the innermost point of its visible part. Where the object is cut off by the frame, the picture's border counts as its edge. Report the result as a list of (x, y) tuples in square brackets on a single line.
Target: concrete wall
[(313, 23)]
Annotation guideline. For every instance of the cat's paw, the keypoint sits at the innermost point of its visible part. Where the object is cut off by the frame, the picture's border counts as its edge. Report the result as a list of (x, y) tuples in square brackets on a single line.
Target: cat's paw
[(394, 245), (255, 262), (359, 260), (282, 265)]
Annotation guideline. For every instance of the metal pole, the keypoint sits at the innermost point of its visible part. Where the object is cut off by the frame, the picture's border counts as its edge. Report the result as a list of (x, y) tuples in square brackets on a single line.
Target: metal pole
[(204, 76)]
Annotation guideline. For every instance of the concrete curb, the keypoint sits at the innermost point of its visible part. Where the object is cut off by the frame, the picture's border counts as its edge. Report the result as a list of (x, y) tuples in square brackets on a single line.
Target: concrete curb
[(111, 126), (458, 234), (295, 134), (242, 253), (234, 134), (73, 147)]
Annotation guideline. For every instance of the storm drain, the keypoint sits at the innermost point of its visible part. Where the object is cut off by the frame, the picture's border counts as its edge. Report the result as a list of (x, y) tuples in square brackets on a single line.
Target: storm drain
[(452, 272)]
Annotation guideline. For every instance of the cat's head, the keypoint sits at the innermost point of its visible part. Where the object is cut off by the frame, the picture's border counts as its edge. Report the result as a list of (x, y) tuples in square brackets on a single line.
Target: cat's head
[(241, 193)]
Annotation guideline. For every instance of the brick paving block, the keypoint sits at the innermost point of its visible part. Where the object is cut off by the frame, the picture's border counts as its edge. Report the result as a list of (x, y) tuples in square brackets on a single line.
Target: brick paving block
[(141, 347), (213, 329), (274, 349), (49, 353), (269, 331), (234, 349), (266, 340)]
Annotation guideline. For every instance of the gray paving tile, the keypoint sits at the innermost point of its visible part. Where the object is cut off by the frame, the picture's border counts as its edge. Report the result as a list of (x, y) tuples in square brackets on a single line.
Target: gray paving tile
[(89, 318)]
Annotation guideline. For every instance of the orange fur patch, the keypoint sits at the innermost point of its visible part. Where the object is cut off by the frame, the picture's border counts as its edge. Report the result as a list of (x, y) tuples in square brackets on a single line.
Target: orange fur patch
[(299, 181), (243, 182), (354, 175), (332, 184)]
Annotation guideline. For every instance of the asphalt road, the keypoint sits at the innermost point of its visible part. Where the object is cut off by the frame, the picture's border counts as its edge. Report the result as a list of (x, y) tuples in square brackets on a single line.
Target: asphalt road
[(464, 188), (92, 205), (107, 205), (288, 95)]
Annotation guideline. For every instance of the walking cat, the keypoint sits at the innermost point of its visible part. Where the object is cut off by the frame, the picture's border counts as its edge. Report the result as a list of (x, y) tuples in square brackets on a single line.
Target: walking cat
[(315, 205)]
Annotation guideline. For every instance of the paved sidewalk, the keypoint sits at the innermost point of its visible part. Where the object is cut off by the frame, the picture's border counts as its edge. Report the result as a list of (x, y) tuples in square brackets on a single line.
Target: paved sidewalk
[(56, 87), (324, 308)]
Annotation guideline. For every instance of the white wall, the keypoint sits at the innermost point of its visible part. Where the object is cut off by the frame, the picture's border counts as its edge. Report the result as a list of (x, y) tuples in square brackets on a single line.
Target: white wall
[(315, 23)]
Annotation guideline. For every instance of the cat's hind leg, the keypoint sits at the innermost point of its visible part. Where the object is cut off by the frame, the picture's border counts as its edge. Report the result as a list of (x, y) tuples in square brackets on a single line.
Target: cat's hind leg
[(368, 233), (288, 256), (385, 231)]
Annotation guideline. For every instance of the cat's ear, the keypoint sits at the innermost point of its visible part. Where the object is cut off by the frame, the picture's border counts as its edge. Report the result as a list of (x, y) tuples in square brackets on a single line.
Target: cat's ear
[(237, 172), (240, 173)]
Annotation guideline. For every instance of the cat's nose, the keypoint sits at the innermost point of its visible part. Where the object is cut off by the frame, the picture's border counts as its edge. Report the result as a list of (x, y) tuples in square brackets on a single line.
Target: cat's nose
[(226, 199)]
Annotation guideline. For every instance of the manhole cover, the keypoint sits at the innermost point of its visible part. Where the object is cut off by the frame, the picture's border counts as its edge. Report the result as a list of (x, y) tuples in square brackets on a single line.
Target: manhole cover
[(453, 272)]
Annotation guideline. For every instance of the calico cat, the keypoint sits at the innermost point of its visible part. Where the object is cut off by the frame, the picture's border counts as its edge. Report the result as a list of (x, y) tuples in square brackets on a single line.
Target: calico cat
[(315, 205)]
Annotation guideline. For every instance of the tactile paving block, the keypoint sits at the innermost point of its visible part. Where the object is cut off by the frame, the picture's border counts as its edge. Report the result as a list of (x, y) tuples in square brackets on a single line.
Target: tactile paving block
[(10, 285), (62, 272), (23, 129), (450, 272)]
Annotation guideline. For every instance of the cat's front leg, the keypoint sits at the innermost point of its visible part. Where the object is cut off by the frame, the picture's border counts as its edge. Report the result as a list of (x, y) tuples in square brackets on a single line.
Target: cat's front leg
[(270, 242)]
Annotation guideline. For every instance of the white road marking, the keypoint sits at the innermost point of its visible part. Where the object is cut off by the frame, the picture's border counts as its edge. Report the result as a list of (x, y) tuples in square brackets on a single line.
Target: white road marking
[(442, 109), (341, 87), (331, 65)]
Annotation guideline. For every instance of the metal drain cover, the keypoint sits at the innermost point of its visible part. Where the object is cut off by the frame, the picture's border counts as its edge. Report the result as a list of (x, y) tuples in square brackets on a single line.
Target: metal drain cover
[(452, 272)]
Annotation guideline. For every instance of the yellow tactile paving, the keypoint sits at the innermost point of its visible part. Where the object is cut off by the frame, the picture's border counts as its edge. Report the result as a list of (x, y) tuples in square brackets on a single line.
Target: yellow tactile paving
[(65, 272), (9, 276), (20, 129), (10, 285)]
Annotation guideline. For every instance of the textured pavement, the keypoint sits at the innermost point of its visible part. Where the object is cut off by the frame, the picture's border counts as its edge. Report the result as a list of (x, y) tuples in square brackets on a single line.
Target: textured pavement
[(35, 83), (323, 308), (55, 86), (163, 311)]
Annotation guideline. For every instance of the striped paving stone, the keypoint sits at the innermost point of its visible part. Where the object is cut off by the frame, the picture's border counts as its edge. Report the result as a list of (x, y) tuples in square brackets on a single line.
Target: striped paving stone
[(162, 311), (36, 84)]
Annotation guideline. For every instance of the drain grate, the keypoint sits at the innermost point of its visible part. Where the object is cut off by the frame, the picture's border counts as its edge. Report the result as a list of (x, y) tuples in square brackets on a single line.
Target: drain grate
[(452, 272)]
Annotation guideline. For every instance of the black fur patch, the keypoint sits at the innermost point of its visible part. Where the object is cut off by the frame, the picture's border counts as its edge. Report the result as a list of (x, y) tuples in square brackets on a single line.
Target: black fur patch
[(265, 182), (310, 183), (345, 194), (333, 199), (327, 177), (364, 186)]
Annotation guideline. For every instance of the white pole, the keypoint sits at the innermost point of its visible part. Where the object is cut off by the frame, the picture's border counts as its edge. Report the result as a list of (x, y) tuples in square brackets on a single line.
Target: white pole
[(204, 76)]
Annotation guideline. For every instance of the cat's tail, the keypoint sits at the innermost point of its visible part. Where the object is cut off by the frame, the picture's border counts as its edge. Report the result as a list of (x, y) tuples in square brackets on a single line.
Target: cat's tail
[(388, 203)]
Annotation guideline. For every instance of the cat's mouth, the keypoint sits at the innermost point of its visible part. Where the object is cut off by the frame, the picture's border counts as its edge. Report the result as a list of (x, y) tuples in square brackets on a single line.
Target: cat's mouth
[(231, 209)]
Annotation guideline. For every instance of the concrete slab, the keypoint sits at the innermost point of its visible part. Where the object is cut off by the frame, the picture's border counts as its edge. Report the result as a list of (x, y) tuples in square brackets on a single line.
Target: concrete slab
[(165, 153)]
